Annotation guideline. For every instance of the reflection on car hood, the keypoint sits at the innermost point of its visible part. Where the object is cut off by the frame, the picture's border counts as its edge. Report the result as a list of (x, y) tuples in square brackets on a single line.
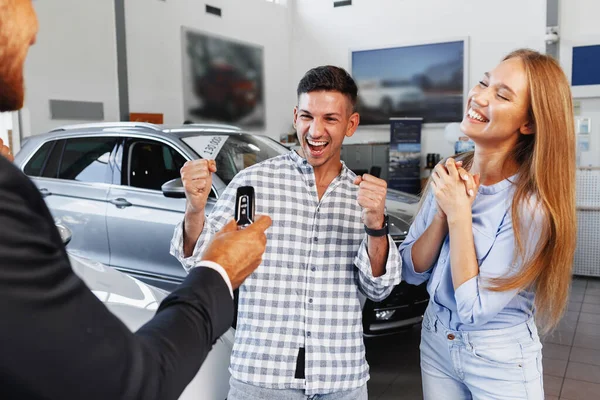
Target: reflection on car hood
[(401, 208), (396, 195), (132, 301), (135, 303)]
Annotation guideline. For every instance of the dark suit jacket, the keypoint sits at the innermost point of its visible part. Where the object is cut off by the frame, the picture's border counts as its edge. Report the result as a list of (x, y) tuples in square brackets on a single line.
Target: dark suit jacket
[(58, 341)]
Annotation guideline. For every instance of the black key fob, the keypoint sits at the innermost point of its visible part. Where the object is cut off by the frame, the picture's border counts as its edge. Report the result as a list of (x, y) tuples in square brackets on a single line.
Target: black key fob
[(244, 206)]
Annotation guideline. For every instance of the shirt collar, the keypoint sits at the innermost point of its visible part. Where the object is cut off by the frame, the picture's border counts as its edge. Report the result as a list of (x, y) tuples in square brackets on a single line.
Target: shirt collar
[(500, 186), (305, 167), (298, 160)]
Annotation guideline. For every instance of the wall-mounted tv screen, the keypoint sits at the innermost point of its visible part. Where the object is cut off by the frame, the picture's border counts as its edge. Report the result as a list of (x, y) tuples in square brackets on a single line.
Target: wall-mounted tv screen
[(426, 80)]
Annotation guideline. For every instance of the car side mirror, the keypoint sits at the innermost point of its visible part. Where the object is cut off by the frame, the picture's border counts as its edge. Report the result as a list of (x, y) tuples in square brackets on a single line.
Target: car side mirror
[(174, 189), (65, 233)]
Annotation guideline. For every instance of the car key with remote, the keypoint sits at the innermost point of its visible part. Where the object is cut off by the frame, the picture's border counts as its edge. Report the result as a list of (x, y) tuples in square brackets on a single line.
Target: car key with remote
[(244, 206)]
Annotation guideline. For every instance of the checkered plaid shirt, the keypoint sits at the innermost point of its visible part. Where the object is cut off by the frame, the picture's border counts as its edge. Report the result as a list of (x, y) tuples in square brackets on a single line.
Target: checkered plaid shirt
[(305, 294)]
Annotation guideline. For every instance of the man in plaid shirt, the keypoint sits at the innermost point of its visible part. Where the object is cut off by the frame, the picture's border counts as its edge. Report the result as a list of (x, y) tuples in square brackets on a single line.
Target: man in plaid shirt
[(299, 332)]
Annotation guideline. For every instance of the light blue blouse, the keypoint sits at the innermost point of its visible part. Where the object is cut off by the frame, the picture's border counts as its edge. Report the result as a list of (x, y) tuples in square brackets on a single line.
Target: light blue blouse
[(473, 306)]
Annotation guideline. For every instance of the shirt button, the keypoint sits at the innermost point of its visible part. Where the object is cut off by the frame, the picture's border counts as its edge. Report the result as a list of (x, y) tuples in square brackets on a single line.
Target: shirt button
[(316, 239), (308, 334), (451, 336), (310, 301), (304, 162), (311, 184), (313, 269)]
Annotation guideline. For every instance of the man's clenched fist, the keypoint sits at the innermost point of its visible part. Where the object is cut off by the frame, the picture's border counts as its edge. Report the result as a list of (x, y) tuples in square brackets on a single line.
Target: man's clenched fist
[(196, 176), (371, 197)]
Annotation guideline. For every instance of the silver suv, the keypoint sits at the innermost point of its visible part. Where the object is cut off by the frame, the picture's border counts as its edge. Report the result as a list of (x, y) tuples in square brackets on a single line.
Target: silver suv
[(105, 182), (117, 186)]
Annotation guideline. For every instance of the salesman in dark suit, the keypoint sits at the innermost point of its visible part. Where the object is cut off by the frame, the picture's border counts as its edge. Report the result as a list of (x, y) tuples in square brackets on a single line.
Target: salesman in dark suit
[(57, 340)]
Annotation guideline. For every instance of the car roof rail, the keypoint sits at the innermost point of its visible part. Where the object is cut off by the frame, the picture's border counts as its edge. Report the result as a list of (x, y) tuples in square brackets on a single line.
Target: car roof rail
[(213, 126), (108, 125)]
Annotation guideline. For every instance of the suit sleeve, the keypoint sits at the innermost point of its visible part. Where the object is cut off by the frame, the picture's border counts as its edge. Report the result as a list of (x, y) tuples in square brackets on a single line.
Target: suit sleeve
[(58, 341)]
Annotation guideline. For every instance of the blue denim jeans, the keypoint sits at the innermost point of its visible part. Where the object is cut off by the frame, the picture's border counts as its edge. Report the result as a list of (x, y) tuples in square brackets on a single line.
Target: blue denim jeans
[(243, 391), (491, 365)]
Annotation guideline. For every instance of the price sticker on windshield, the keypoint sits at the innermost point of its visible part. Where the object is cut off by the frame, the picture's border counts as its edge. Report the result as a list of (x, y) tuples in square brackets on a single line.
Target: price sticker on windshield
[(207, 146)]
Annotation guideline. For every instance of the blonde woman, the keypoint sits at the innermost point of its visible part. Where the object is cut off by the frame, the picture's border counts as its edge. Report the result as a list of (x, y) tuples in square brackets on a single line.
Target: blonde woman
[(498, 255)]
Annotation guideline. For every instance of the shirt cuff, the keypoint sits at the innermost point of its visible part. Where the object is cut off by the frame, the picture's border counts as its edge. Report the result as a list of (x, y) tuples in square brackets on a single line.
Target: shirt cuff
[(411, 264), (393, 264), (409, 274), (176, 248), (465, 296), (216, 267)]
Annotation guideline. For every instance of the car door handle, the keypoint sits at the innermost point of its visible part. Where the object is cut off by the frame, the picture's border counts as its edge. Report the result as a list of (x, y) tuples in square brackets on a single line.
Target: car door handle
[(120, 202), (45, 192)]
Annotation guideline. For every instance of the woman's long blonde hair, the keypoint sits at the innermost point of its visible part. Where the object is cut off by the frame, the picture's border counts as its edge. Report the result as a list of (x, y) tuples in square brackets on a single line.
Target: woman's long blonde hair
[(546, 173)]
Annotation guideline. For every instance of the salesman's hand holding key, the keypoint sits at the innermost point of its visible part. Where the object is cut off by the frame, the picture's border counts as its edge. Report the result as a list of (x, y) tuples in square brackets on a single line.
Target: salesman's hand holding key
[(245, 247)]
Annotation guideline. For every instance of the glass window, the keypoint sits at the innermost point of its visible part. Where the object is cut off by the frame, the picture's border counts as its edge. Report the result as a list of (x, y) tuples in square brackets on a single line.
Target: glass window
[(51, 168), (233, 153), (86, 159), (151, 164), (36, 164)]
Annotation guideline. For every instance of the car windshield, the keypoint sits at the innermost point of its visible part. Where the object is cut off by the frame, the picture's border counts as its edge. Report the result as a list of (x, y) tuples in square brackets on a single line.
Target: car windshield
[(233, 153)]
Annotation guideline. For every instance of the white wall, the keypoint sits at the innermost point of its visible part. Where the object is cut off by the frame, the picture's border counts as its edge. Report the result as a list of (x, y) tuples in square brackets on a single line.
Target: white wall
[(324, 35), (578, 23), (155, 60), (5, 125), (74, 59)]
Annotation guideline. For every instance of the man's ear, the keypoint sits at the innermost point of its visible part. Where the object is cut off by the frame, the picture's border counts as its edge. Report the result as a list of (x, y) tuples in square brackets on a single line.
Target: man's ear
[(527, 128), (352, 124), (295, 116)]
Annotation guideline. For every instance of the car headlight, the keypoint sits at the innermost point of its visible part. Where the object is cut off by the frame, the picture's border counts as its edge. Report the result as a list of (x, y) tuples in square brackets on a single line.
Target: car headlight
[(384, 315)]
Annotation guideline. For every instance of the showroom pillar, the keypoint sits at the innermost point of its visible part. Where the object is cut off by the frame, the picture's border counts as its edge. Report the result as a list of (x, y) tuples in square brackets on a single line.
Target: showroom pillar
[(552, 38), (122, 60)]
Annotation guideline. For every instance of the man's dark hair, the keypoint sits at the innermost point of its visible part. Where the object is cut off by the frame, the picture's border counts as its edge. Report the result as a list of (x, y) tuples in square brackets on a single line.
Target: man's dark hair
[(331, 79)]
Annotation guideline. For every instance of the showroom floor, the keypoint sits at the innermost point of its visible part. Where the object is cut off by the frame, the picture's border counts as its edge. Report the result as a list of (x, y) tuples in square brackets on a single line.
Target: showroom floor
[(571, 354)]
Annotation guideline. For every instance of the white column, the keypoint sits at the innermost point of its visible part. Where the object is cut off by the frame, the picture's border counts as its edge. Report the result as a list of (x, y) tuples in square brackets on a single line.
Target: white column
[(5, 125)]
